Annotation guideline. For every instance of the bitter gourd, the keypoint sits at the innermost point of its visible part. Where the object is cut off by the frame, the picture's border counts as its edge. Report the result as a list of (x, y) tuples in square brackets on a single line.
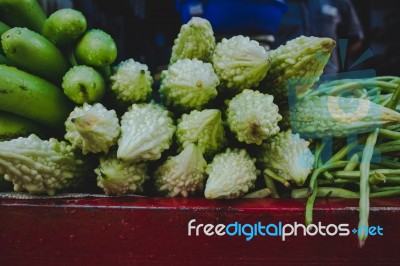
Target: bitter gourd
[(332, 116)]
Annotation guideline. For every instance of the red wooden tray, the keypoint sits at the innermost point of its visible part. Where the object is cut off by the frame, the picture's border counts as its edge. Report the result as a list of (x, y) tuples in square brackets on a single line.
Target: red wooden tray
[(141, 231)]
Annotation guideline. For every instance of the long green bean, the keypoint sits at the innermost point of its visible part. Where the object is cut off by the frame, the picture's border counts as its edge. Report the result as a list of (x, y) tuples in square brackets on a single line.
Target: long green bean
[(394, 99), (388, 172), (337, 181), (325, 191), (376, 179), (353, 163), (310, 203), (393, 180), (388, 78), (347, 174), (389, 143), (389, 163), (338, 156), (389, 134), (373, 91), (364, 185), (356, 174), (258, 194), (328, 176), (385, 86), (394, 128), (381, 189), (317, 154), (325, 167), (342, 152), (335, 192), (276, 177), (386, 193), (384, 99), (271, 185), (313, 187)]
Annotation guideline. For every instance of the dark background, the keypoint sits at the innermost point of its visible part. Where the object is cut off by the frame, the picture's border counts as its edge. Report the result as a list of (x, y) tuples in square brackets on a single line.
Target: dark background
[(145, 29)]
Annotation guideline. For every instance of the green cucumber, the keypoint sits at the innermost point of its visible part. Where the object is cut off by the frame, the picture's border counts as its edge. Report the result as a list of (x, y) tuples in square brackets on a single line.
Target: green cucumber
[(96, 48), (32, 97), (5, 61), (3, 28), (35, 54), (83, 84), (64, 26), (13, 126), (23, 13)]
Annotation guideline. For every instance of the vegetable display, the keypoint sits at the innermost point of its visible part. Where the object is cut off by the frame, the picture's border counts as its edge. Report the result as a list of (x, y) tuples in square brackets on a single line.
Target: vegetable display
[(41, 166), (182, 174), (131, 82), (189, 84), (225, 119), (297, 65), (13, 126), (240, 63), (205, 128), (83, 84), (32, 97), (23, 13), (117, 177), (32, 52), (64, 26), (253, 117), (92, 128), (231, 174), (292, 159), (195, 41), (96, 48), (146, 131), (327, 116)]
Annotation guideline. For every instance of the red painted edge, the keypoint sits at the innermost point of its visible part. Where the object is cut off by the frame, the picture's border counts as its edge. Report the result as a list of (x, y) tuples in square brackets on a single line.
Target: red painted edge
[(144, 231)]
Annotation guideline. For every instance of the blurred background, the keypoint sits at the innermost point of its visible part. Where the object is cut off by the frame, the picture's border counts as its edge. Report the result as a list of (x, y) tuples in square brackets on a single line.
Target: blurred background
[(145, 29)]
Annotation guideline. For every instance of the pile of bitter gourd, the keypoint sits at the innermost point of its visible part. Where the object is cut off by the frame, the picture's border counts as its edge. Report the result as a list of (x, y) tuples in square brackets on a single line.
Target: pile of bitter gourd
[(226, 119)]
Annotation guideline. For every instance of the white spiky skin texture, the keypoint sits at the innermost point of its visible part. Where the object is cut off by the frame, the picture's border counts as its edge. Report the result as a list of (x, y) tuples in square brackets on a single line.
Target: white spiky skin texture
[(117, 177), (203, 128), (182, 175), (288, 156), (335, 116), (230, 175), (41, 166), (195, 40), (253, 117), (297, 65), (146, 131), (189, 84), (131, 81), (92, 128), (240, 63)]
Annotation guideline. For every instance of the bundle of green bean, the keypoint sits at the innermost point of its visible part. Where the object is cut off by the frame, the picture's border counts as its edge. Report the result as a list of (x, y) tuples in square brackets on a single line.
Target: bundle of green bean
[(377, 89), (366, 167)]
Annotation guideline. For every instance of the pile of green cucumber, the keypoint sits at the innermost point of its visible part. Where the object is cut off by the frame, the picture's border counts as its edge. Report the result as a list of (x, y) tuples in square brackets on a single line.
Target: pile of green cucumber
[(36, 53)]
